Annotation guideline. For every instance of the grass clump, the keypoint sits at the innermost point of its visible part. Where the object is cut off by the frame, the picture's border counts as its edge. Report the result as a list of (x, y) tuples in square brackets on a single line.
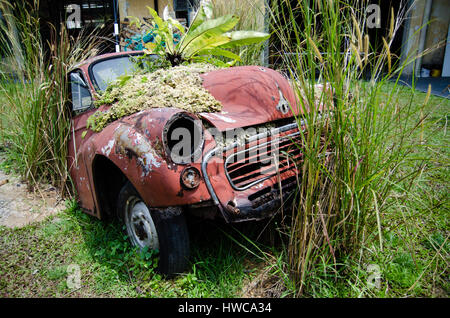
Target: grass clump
[(364, 152), (178, 87), (35, 260), (34, 118)]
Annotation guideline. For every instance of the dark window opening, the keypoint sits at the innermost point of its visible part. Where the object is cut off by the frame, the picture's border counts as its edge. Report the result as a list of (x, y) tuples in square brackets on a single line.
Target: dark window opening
[(79, 93), (184, 9), (81, 17)]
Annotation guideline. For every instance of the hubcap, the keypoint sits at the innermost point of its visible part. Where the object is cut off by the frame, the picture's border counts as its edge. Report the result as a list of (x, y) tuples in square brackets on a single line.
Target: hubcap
[(140, 226)]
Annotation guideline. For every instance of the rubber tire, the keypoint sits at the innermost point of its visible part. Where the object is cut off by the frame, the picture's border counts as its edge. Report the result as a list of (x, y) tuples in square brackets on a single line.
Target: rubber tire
[(172, 235)]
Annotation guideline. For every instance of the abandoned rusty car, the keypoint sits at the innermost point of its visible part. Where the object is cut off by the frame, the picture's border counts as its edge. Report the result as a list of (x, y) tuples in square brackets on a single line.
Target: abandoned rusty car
[(129, 169)]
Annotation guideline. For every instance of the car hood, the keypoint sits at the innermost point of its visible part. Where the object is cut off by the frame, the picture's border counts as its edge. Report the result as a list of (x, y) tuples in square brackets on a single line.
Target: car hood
[(250, 95)]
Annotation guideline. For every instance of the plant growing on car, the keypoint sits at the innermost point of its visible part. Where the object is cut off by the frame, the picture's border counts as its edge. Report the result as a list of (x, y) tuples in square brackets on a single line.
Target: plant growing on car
[(179, 87), (204, 41), (252, 16)]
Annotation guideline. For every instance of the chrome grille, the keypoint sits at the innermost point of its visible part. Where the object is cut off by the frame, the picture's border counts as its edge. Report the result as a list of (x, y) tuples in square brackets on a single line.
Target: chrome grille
[(263, 156)]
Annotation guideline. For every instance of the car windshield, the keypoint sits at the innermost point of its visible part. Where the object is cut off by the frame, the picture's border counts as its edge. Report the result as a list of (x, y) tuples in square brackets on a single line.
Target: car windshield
[(107, 71)]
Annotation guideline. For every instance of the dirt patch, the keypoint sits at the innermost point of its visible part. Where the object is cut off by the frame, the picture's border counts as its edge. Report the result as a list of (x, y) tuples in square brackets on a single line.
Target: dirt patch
[(263, 284), (20, 207)]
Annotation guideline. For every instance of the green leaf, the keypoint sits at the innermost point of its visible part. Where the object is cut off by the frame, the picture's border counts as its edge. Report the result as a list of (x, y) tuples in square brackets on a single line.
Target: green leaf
[(177, 24), (199, 18), (220, 52), (123, 79), (135, 21), (169, 40), (163, 30), (239, 38), (207, 29), (204, 44), (155, 16)]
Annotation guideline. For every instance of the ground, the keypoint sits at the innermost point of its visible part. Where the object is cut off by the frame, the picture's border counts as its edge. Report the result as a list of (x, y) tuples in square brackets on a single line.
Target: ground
[(20, 207)]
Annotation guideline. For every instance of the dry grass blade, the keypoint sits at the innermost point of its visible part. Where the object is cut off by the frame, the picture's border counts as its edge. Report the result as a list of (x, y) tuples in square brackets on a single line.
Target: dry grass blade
[(36, 127), (339, 194)]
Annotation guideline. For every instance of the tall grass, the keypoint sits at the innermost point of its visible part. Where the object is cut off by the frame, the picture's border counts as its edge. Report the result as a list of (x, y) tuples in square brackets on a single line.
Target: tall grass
[(34, 118), (358, 142), (251, 15)]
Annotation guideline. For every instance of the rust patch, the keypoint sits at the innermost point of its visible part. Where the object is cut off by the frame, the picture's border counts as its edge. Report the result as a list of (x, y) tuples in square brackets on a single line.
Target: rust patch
[(190, 178), (170, 212), (133, 144), (140, 124), (231, 206), (159, 147)]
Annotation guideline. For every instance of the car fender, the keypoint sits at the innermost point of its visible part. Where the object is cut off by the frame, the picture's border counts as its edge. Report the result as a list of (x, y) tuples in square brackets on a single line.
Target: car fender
[(134, 145)]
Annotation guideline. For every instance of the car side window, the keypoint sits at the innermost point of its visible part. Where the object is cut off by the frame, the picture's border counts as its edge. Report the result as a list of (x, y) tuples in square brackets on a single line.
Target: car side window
[(79, 90)]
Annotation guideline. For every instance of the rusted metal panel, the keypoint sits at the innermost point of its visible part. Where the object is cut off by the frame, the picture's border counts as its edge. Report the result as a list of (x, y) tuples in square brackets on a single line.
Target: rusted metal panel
[(133, 144), (77, 164), (249, 95)]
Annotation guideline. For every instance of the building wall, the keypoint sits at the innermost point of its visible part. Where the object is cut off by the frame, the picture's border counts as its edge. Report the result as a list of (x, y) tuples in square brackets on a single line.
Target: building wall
[(434, 29), (437, 33), (138, 8), (411, 35)]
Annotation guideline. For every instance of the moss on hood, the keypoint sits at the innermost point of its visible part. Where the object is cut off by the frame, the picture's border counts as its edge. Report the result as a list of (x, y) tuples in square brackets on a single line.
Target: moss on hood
[(178, 87)]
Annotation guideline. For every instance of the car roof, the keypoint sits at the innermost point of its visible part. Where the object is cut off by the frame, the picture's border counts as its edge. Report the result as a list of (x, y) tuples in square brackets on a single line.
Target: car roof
[(91, 60)]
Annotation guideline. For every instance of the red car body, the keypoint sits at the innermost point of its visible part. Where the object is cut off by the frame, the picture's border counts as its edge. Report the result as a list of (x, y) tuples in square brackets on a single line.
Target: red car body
[(251, 96)]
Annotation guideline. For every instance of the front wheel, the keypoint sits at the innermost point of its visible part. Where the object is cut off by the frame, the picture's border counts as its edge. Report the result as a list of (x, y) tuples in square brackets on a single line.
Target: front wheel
[(164, 230)]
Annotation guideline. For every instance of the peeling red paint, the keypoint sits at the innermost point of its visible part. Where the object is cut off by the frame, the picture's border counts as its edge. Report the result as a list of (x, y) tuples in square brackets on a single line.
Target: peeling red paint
[(249, 95)]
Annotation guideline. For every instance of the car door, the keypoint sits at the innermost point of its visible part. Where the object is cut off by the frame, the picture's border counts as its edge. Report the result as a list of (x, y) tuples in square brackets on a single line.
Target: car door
[(81, 107)]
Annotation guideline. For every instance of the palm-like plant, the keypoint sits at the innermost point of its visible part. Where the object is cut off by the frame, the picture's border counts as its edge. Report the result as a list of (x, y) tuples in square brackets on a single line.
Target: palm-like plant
[(204, 41)]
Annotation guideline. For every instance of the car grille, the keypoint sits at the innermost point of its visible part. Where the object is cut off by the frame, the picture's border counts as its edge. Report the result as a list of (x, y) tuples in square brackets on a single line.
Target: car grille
[(270, 193), (264, 156)]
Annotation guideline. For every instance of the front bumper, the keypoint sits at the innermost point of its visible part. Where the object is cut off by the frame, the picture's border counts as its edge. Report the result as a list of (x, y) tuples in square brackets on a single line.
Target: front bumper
[(270, 201), (244, 195)]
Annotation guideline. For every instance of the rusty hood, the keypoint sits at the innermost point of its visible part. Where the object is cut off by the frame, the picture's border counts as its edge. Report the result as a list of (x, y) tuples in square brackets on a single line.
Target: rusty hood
[(250, 95)]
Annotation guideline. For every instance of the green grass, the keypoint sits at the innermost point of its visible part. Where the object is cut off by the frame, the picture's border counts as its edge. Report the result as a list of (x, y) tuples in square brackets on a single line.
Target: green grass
[(414, 261), (34, 121), (251, 17), (370, 157), (34, 261), (416, 230)]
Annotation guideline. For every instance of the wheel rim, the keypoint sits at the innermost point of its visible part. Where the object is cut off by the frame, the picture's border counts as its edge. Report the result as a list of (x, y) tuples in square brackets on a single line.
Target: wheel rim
[(140, 226)]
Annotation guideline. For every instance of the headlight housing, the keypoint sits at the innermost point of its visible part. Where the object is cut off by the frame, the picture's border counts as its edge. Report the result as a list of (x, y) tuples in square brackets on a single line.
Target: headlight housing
[(183, 138), (190, 178)]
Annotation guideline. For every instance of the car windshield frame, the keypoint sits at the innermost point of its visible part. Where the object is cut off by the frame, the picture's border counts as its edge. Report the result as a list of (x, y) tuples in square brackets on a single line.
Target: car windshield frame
[(92, 73)]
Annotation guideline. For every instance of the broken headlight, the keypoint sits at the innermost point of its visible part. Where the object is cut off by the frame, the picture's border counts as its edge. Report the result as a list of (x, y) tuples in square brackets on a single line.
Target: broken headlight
[(183, 138)]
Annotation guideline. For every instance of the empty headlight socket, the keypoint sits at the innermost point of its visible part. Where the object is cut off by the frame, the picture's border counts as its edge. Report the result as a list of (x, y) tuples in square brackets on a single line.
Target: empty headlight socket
[(194, 126)]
